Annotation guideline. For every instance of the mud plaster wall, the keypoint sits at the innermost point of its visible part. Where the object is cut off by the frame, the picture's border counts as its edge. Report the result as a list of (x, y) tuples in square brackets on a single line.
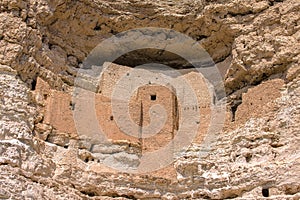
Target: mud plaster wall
[(259, 100), (152, 95), (59, 108), (113, 73), (256, 101)]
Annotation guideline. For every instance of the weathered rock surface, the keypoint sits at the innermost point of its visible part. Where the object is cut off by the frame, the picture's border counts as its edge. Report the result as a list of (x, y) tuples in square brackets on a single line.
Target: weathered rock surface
[(256, 44)]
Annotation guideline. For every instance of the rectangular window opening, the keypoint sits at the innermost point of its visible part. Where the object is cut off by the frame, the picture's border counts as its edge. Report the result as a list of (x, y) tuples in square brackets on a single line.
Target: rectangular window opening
[(153, 97)]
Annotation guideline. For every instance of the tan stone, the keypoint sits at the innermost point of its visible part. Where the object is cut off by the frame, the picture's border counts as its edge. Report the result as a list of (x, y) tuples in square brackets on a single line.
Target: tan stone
[(255, 44)]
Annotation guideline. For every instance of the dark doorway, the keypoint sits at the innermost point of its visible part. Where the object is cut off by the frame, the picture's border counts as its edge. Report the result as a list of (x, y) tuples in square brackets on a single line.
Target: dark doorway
[(265, 192)]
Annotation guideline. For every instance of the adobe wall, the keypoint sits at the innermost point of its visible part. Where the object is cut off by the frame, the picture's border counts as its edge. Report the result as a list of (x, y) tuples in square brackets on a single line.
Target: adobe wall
[(204, 99), (259, 100), (110, 76), (59, 114), (59, 108), (112, 73), (107, 120), (194, 80), (149, 96)]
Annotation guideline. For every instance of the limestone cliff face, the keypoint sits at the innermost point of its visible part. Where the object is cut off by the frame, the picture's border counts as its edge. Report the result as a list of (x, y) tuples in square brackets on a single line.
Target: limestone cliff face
[(255, 44)]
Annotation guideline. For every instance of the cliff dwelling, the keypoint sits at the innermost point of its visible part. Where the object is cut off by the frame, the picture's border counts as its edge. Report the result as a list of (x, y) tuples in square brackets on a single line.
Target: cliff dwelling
[(153, 108), (103, 99)]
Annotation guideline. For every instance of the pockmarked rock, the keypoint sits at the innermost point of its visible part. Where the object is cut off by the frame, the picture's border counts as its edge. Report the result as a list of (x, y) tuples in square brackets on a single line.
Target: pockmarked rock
[(254, 44)]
